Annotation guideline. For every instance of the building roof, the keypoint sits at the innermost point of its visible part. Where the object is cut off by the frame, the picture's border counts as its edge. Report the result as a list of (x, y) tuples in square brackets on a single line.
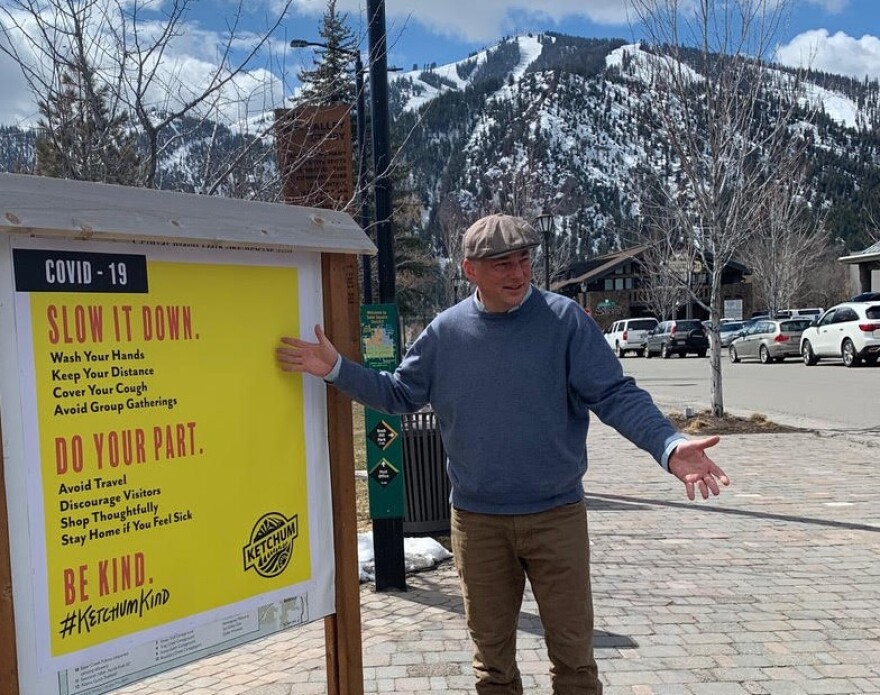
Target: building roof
[(872, 253), (601, 266), (41, 206)]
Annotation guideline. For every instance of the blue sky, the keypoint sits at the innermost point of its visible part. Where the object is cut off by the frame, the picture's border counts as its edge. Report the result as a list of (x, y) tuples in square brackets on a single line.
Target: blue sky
[(844, 32), (840, 36)]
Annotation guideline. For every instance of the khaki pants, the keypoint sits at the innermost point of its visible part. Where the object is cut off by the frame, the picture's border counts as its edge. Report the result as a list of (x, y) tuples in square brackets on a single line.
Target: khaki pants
[(494, 555)]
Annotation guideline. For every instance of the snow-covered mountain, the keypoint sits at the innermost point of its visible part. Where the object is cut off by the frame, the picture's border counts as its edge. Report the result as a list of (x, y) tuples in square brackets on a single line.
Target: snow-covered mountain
[(565, 123), (536, 121)]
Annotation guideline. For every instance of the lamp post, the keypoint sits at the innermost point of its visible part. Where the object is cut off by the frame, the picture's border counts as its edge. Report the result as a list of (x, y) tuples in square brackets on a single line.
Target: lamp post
[(545, 225), (378, 56), (387, 533), (361, 127)]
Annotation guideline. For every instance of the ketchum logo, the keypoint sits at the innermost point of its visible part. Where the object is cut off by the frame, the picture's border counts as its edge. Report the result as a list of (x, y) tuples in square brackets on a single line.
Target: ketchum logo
[(271, 544)]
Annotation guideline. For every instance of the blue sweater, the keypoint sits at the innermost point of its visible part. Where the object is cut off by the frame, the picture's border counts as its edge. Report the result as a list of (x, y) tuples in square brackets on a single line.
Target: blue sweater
[(512, 393)]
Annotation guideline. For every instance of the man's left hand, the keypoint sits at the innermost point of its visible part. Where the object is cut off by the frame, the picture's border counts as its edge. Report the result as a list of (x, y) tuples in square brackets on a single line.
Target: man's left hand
[(690, 464)]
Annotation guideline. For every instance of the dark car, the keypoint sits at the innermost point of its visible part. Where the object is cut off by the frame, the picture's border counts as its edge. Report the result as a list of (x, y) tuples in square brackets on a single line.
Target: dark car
[(867, 297), (677, 338)]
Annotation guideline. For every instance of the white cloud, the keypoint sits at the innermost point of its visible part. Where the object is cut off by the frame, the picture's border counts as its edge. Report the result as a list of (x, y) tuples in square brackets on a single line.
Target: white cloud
[(17, 106), (187, 67), (831, 6), (483, 20), (836, 53)]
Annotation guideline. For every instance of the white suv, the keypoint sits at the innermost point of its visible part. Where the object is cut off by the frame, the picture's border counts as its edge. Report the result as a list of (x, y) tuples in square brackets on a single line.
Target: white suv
[(629, 335), (850, 330)]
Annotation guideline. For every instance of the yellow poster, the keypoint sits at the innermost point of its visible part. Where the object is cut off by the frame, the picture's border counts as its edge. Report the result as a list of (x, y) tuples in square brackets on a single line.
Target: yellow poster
[(171, 448)]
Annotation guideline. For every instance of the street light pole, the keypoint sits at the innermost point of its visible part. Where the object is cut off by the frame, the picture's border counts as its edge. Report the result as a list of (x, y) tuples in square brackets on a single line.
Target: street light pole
[(366, 266), (545, 224), (381, 156), (387, 533)]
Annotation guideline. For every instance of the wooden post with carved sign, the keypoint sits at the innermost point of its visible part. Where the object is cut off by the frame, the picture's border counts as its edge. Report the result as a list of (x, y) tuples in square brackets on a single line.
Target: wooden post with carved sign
[(313, 147)]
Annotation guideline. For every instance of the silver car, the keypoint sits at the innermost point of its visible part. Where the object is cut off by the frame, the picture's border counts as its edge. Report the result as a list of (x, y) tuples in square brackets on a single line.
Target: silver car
[(769, 340)]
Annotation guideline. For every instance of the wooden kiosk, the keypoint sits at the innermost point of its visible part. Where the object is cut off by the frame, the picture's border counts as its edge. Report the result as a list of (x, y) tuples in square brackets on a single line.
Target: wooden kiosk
[(165, 491)]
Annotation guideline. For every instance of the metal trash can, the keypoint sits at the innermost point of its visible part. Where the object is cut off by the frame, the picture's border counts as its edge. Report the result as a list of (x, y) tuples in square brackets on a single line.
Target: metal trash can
[(426, 484)]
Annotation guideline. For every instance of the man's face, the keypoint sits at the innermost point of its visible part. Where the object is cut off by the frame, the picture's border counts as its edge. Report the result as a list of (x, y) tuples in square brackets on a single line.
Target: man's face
[(502, 281)]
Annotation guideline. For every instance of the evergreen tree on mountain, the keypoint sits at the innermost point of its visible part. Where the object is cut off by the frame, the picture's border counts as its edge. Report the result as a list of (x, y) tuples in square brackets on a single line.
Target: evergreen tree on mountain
[(79, 139), (331, 80)]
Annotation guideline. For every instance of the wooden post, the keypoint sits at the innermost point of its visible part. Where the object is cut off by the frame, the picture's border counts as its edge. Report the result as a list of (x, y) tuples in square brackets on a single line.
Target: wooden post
[(8, 656), (343, 629)]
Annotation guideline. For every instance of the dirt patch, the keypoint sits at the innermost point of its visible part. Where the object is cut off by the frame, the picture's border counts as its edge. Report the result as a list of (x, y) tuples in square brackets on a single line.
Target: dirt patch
[(704, 423), (362, 498)]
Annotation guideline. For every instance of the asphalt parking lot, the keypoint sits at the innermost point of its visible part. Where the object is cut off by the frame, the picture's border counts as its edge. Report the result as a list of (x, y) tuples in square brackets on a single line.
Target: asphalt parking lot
[(826, 395)]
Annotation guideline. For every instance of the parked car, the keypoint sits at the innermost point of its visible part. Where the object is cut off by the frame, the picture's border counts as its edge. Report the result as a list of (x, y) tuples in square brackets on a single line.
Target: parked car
[(769, 340), (809, 312), (677, 338), (752, 321), (727, 331), (850, 330), (867, 297), (629, 335)]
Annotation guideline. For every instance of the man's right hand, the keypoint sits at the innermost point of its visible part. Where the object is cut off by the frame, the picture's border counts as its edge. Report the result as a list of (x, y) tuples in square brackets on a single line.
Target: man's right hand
[(317, 359)]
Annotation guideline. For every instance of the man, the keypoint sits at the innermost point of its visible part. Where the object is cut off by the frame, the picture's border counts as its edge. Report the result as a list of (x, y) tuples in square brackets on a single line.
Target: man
[(512, 373)]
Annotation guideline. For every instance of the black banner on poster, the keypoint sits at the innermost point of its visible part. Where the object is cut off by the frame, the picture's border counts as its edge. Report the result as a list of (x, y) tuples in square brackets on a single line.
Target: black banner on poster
[(72, 271)]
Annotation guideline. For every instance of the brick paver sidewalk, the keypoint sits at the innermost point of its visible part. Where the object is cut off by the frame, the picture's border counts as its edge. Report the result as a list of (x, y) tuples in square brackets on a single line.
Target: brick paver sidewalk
[(773, 589)]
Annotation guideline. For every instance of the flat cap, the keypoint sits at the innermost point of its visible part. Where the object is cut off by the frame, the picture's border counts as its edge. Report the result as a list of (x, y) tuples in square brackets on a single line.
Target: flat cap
[(498, 235)]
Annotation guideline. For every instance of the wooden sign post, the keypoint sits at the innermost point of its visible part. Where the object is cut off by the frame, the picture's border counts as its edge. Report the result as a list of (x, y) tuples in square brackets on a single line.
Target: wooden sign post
[(343, 630), (8, 663), (166, 492)]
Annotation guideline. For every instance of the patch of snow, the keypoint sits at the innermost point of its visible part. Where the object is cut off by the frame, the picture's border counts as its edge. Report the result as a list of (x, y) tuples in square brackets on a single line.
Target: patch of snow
[(418, 554), (835, 105), (643, 64), (529, 50)]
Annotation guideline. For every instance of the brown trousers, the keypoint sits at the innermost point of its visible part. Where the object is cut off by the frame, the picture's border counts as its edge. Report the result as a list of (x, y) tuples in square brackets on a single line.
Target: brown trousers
[(494, 555)]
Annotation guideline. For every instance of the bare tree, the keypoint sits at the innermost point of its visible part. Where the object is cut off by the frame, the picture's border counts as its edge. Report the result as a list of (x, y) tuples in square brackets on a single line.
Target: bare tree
[(789, 244), (726, 132), (453, 221), (667, 261), (120, 51), (661, 282), (873, 229), (563, 244), (829, 283)]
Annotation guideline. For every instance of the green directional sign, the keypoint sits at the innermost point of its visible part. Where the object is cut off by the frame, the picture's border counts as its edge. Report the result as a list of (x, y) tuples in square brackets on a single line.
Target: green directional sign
[(384, 473), (383, 435), (379, 347)]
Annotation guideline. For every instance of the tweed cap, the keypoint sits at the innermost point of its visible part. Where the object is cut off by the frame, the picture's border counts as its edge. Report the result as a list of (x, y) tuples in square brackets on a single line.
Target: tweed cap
[(498, 235)]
